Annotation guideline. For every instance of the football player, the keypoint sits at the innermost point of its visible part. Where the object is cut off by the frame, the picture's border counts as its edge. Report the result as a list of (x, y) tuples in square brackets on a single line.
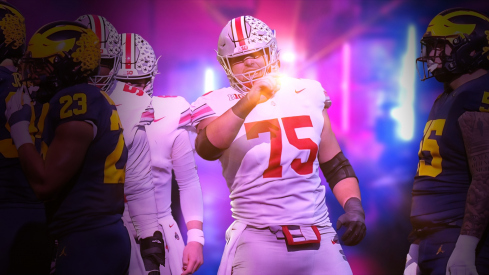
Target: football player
[(23, 232), (171, 149), (79, 172), (271, 134), (450, 197), (139, 191)]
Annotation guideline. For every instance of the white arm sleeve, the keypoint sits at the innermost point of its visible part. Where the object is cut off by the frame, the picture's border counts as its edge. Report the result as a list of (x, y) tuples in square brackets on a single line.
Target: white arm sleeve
[(139, 188), (186, 176)]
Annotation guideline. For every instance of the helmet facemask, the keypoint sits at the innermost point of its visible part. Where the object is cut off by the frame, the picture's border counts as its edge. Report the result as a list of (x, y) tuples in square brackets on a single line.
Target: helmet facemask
[(466, 34), (247, 36), (104, 81), (40, 76), (433, 54), (272, 64)]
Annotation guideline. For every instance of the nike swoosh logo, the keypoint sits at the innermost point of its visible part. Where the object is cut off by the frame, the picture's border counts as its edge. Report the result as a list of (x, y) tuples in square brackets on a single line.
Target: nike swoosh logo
[(171, 225), (156, 120), (118, 105), (299, 91)]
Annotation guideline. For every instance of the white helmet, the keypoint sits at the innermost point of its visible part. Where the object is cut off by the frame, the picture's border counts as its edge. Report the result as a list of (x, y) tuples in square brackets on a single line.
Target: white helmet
[(138, 60), (110, 47), (245, 35)]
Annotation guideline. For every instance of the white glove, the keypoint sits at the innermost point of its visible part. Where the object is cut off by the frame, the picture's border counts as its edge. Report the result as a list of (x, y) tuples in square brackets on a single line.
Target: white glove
[(411, 267), (462, 260)]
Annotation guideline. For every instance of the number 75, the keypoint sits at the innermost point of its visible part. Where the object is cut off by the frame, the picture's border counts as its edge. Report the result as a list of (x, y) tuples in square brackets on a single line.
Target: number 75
[(274, 169)]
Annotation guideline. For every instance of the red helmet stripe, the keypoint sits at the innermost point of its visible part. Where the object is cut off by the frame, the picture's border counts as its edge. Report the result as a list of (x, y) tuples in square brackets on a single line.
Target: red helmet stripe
[(239, 30), (233, 31), (129, 45), (97, 26)]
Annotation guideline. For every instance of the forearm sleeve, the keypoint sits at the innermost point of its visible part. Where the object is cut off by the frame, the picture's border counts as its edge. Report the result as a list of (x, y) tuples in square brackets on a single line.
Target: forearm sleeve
[(186, 176), (474, 127), (139, 188)]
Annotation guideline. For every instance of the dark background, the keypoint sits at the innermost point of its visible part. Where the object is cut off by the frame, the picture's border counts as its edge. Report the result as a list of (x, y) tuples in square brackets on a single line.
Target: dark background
[(363, 53)]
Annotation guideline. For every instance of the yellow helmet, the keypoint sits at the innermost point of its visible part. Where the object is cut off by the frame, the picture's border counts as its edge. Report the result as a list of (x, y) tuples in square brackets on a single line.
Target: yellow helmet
[(12, 32), (59, 55), (459, 38)]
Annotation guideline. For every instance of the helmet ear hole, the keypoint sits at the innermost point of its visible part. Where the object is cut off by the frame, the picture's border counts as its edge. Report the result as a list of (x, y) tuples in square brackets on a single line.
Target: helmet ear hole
[(56, 59)]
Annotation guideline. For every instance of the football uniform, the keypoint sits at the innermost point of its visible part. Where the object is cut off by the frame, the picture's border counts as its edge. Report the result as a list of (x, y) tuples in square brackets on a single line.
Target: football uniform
[(271, 170), (443, 177), (23, 234), (140, 210), (85, 217), (171, 149)]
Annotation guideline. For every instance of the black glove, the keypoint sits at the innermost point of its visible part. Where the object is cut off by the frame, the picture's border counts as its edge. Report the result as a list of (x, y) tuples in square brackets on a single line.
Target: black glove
[(153, 252), (354, 221)]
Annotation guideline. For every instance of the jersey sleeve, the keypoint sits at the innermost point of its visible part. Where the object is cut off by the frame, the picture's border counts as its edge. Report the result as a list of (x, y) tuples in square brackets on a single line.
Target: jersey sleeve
[(201, 109), (139, 187), (327, 100), (147, 117), (187, 178), (321, 93), (79, 105), (182, 107), (475, 101)]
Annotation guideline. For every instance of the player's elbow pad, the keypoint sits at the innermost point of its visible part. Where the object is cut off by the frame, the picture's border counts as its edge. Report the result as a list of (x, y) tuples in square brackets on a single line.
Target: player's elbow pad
[(337, 169), (205, 148)]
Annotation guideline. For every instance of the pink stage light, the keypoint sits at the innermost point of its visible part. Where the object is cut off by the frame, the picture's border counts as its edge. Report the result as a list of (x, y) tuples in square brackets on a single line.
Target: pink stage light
[(345, 88)]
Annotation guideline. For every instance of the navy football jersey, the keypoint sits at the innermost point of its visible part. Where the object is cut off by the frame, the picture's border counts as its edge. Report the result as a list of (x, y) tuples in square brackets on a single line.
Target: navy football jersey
[(443, 177), (14, 188), (94, 197)]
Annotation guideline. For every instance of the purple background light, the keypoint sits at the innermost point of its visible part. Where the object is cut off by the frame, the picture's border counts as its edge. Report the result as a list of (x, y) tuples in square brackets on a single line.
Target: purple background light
[(312, 36)]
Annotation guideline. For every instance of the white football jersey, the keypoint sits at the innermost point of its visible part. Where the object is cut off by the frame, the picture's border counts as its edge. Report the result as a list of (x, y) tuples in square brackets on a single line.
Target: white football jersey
[(171, 114), (271, 168), (171, 149), (131, 103)]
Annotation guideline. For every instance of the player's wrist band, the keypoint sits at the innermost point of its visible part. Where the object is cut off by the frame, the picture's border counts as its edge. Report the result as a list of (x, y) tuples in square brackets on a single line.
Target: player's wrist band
[(467, 242), (195, 235), (243, 107), (20, 133)]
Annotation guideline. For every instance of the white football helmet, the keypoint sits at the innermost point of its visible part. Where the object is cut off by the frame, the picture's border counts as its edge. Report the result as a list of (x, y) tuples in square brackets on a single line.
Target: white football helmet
[(110, 47), (138, 61), (242, 36)]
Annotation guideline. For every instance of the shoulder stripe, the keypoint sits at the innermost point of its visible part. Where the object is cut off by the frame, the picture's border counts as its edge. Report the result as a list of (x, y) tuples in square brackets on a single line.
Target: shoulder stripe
[(185, 118), (147, 117), (201, 112)]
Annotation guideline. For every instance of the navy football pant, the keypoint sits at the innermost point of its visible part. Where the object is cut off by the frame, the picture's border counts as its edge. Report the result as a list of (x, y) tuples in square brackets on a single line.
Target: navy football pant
[(24, 241), (103, 250), (435, 250)]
